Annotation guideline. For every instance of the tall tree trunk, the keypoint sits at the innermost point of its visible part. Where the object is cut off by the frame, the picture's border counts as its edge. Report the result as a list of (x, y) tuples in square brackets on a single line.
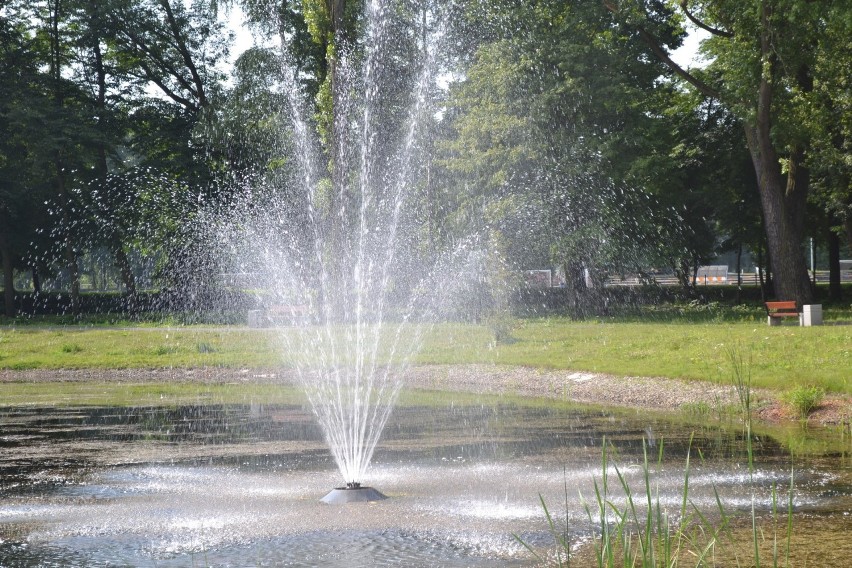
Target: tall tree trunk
[(55, 14), (739, 273), (783, 233), (813, 264), (783, 201), (685, 274), (847, 226), (575, 283), (761, 273), (36, 280), (835, 290), (116, 238), (8, 277), (69, 252), (123, 264)]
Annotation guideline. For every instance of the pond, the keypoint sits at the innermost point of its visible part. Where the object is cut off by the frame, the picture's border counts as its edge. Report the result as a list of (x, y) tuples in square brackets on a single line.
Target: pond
[(239, 485)]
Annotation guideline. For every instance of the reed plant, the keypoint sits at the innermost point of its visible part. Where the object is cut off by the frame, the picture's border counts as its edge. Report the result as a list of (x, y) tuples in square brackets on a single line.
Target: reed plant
[(634, 529), (741, 380), (633, 535)]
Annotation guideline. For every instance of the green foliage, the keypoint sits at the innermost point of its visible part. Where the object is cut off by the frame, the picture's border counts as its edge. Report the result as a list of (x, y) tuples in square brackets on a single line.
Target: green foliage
[(563, 132), (87, 152), (500, 280), (718, 410), (741, 380), (803, 399), (120, 393), (698, 409), (643, 533), (560, 537), (560, 110)]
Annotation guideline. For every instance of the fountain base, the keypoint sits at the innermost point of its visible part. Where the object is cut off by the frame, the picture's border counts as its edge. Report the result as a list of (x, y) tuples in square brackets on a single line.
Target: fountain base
[(342, 495)]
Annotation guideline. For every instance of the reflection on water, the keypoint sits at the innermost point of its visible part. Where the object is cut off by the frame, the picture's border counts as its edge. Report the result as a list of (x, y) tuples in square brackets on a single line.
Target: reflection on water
[(239, 485)]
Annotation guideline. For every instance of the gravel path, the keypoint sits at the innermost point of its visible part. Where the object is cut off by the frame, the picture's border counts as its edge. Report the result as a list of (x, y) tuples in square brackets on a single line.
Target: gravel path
[(585, 387)]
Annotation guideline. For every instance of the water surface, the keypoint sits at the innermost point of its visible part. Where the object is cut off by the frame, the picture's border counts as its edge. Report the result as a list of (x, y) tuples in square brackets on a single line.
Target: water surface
[(239, 485)]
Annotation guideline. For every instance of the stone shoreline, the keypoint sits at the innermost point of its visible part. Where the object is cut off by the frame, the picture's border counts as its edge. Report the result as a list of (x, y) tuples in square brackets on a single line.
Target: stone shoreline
[(651, 393)]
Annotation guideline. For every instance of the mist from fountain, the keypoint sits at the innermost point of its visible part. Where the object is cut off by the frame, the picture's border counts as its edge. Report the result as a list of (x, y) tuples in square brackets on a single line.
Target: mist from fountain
[(347, 263)]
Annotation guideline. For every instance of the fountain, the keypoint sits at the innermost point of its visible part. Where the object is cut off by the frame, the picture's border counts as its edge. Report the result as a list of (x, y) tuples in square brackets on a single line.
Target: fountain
[(86, 485), (344, 257)]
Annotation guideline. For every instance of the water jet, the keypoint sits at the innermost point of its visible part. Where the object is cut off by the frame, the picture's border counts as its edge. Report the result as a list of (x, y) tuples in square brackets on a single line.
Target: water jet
[(346, 258)]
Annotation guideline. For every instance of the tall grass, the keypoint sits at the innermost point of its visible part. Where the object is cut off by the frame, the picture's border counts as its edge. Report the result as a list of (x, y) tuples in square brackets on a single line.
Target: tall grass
[(641, 533), (631, 536), (741, 379)]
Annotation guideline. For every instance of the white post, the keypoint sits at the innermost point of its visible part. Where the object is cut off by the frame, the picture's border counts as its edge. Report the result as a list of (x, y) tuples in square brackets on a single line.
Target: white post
[(811, 315)]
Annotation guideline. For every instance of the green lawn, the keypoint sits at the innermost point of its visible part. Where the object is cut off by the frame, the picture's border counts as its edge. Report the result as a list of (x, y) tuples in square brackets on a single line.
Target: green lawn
[(781, 357), (33, 347)]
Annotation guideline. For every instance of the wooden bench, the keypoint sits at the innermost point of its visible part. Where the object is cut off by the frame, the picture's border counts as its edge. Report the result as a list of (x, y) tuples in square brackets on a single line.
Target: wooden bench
[(777, 311)]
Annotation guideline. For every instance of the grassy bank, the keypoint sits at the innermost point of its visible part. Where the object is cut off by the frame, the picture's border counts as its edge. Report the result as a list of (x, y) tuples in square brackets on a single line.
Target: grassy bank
[(781, 357)]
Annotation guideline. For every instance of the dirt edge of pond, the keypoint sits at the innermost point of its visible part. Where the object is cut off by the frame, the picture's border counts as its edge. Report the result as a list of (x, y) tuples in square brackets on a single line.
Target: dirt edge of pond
[(652, 393)]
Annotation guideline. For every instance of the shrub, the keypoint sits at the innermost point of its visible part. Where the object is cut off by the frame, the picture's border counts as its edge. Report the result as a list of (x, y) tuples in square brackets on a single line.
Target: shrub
[(803, 400)]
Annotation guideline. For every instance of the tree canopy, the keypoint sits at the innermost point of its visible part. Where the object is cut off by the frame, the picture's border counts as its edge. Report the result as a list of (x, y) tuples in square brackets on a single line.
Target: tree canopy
[(564, 130)]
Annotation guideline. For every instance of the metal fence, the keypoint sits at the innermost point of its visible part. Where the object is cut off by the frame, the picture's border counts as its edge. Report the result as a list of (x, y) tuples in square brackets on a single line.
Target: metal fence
[(728, 278)]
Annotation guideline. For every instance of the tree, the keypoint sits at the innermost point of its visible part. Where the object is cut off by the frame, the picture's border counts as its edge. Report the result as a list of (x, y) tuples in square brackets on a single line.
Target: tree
[(86, 144), (828, 118), (171, 46), (563, 133), (359, 63), (64, 132), (18, 69), (765, 53), (99, 72)]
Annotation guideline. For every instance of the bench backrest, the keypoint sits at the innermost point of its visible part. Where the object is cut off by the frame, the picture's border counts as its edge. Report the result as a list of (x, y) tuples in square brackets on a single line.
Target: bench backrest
[(786, 305)]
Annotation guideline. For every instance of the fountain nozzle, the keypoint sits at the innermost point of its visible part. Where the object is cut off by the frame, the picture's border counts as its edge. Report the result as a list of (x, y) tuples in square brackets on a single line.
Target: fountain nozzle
[(353, 492)]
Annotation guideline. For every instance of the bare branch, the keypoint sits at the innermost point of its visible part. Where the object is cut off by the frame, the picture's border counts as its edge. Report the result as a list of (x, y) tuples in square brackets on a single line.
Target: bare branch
[(185, 54), (663, 55), (702, 25), (151, 76), (160, 61)]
